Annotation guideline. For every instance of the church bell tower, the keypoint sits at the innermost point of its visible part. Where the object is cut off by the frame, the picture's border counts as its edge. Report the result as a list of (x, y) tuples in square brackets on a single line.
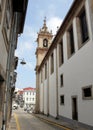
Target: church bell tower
[(44, 40)]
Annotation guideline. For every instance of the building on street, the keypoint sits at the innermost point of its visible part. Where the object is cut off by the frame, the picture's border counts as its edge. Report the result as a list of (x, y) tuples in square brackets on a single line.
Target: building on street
[(12, 18), (64, 68), (29, 97)]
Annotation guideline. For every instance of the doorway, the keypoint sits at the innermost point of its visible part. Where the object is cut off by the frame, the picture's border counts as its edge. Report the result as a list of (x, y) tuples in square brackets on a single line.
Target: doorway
[(74, 108)]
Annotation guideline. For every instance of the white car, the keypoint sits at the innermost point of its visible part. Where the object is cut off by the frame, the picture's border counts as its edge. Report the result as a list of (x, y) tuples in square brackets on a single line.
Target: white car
[(15, 106)]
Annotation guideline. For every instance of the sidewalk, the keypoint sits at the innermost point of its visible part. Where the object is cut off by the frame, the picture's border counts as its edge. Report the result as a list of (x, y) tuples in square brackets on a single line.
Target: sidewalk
[(63, 123), (12, 124)]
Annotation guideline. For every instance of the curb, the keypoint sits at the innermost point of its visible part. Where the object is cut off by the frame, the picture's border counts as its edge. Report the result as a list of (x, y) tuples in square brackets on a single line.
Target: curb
[(53, 123)]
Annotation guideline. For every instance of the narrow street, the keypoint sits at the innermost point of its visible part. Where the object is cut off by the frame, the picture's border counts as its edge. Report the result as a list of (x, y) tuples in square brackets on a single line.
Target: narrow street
[(27, 121)]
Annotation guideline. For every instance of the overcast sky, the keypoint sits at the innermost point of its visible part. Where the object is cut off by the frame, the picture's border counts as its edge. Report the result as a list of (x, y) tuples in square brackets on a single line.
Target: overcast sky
[(54, 11)]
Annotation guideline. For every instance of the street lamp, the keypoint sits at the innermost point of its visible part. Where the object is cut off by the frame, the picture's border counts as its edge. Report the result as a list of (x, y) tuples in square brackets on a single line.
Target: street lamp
[(16, 59), (22, 62)]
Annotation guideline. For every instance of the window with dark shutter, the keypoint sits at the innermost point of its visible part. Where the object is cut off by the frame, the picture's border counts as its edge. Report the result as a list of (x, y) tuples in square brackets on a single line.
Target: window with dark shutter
[(52, 63), (84, 27), (87, 92), (70, 43), (62, 100), (61, 56), (72, 49)]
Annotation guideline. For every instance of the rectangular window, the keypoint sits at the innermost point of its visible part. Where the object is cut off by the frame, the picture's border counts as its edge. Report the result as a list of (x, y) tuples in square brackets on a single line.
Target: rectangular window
[(61, 57), (70, 42), (61, 80), (87, 92), (52, 63), (62, 99), (45, 70), (84, 27), (72, 48)]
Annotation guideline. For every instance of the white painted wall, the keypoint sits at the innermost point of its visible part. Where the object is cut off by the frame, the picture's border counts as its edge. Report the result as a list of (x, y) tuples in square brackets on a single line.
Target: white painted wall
[(76, 77), (77, 72), (30, 96), (52, 89), (41, 98), (45, 97)]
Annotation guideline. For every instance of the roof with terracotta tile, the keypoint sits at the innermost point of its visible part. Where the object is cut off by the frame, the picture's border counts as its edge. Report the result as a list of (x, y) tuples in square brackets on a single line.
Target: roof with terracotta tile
[(28, 88)]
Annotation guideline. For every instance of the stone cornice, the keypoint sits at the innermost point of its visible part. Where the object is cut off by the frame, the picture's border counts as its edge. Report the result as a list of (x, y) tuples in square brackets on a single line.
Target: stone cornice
[(41, 50)]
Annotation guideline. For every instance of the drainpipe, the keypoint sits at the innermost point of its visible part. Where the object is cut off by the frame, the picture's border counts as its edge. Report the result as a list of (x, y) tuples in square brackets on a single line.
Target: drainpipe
[(57, 108)]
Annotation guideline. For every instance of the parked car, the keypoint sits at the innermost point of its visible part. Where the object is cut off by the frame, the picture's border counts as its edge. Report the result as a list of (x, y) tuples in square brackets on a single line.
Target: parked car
[(25, 108), (21, 105), (29, 110), (15, 106)]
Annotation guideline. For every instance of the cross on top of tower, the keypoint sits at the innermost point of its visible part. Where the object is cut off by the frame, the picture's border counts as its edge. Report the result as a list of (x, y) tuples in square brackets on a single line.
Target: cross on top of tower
[(44, 22), (44, 29)]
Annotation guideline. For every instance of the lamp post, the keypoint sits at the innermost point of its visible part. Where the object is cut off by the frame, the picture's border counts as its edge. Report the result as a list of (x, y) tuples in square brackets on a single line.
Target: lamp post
[(22, 62)]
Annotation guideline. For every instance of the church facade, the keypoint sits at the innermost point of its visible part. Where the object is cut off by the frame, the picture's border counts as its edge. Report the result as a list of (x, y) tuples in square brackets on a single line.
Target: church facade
[(64, 72)]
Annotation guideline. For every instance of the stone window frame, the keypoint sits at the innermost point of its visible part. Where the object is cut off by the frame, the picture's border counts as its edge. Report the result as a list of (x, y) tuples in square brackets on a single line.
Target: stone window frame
[(45, 41), (61, 53), (62, 100), (81, 43), (87, 98), (70, 41), (52, 63)]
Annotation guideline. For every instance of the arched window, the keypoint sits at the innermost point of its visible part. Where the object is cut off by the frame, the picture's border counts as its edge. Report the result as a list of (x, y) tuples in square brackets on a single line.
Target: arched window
[(45, 43)]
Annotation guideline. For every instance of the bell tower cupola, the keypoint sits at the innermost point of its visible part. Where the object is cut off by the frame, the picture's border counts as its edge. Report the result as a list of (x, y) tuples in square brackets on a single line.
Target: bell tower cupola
[(44, 39)]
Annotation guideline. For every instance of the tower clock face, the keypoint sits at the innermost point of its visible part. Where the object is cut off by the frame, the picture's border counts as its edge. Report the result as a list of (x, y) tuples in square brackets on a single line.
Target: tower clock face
[(45, 43)]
